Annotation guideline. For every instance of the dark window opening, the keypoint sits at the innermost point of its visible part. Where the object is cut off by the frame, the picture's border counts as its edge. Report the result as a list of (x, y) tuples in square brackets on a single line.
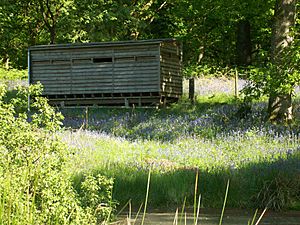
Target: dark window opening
[(102, 60)]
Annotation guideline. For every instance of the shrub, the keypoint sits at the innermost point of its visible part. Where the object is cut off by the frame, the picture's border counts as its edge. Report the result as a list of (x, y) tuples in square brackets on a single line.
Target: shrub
[(95, 194), (12, 74), (34, 186)]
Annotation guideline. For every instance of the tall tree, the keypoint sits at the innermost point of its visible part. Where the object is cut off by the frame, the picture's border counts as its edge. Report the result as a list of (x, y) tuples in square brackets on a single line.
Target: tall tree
[(280, 99), (51, 11), (19, 28)]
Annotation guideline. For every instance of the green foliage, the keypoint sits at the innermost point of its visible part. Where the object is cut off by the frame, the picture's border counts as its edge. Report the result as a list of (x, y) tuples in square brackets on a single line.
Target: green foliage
[(35, 188), (204, 70), (95, 194), (276, 75), (12, 74), (207, 28), (275, 78)]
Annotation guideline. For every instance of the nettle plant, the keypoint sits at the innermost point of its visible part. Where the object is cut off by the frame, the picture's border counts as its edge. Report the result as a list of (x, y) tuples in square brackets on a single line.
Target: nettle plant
[(34, 186)]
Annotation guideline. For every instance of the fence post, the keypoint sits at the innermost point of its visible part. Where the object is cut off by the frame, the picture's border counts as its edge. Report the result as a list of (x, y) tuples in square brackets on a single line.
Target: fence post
[(192, 89), (86, 117), (236, 84)]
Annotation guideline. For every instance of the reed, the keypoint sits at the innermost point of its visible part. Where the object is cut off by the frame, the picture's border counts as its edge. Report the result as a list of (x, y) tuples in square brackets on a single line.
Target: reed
[(147, 196), (224, 204)]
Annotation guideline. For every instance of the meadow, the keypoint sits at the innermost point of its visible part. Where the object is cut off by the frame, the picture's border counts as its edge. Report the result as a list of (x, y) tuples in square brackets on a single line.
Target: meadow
[(213, 137), (101, 158)]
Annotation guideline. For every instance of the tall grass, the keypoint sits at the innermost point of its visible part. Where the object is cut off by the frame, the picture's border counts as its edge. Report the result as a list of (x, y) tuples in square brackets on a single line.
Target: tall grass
[(259, 158), (224, 204), (211, 140), (196, 215), (147, 196)]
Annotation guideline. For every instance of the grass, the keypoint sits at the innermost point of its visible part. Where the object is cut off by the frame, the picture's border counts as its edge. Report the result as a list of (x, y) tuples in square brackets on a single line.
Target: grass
[(224, 204), (211, 138), (260, 159)]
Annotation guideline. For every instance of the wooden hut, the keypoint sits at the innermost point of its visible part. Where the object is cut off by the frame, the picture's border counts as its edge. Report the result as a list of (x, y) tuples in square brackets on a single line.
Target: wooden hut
[(146, 72)]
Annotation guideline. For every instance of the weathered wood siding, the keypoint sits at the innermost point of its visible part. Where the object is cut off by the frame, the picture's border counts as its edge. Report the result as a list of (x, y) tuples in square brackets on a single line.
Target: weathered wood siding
[(116, 69), (96, 70), (170, 69)]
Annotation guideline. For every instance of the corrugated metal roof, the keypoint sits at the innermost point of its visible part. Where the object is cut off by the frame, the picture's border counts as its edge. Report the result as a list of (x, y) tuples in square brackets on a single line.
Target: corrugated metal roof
[(101, 44)]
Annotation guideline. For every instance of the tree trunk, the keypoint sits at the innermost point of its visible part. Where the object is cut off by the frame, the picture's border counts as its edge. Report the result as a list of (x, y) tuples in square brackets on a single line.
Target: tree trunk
[(192, 95), (280, 108), (280, 104), (52, 34), (243, 44)]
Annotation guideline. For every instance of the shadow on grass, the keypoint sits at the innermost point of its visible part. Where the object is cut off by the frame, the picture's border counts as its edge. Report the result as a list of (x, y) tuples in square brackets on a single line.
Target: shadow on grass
[(208, 118), (275, 185)]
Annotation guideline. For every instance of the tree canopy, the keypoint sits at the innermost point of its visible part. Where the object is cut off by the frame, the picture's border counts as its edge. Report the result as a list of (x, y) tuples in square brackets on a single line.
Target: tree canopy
[(211, 30), (215, 34)]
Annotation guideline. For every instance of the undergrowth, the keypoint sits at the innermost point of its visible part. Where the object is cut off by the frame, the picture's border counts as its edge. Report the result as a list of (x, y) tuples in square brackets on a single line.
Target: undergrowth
[(12, 74), (35, 187)]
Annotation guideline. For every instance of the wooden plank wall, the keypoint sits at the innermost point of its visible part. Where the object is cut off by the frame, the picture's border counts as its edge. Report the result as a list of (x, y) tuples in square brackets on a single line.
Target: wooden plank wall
[(171, 77), (97, 69)]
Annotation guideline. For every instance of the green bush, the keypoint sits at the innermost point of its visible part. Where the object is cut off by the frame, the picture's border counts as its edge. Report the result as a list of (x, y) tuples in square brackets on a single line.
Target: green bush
[(34, 185), (275, 78), (12, 74), (95, 194)]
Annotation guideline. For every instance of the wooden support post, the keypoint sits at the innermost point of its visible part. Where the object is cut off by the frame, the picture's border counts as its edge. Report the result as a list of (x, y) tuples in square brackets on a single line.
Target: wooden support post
[(192, 90), (126, 103), (86, 117), (236, 84)]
